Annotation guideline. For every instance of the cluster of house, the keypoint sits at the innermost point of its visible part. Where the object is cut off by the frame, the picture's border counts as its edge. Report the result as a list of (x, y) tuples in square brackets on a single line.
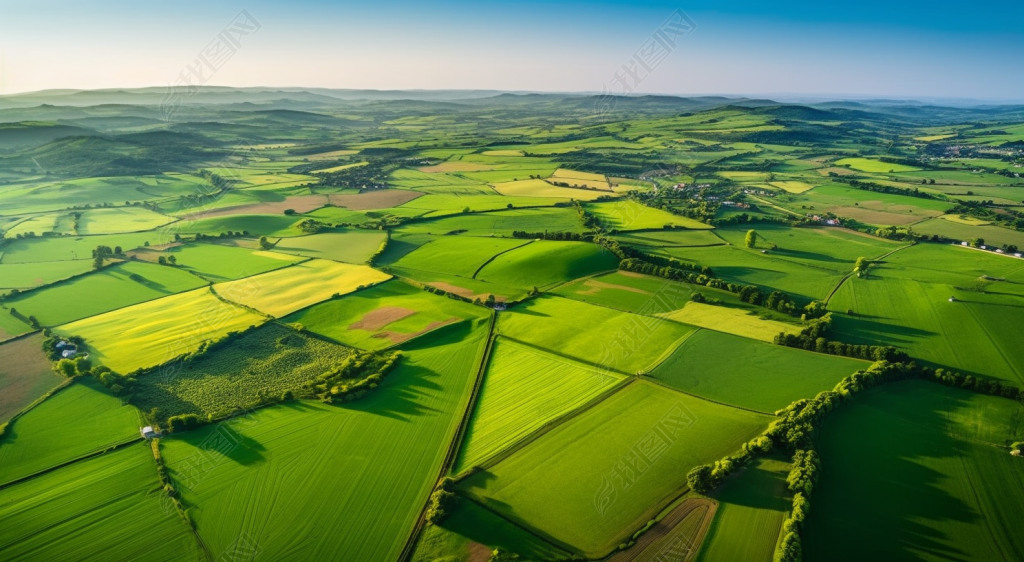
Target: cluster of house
[(67, 349), (825, 220), (996, 250), (684, 186), (737, 204), (760, 192)]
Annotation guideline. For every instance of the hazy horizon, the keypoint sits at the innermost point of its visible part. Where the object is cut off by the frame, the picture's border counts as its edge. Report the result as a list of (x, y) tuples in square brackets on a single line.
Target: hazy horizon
[(796, 50)]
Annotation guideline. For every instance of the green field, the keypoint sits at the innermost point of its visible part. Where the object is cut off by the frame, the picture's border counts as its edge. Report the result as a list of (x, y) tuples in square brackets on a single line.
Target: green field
[(500, 223), (355, 246), (630, 215), (751, 508), (25, 374), (170, 327), (365, 469), (523, 390), (220, 262), (544, 264), (263, 363), (113, 287), (284, 291), (906, 303), (608, 338), (29, 275), (35, 250), (573, 483), (935, 457), (456, 255), (120, 219), (111, 504), (383, 315), (633, 292), (670, 238), (874, 166), (80, 419), (995, 236), (11, 326), (769, 377)]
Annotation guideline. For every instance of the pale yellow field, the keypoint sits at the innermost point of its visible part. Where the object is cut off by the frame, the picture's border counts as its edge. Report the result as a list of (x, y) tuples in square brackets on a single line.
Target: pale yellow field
[(541, 188), (283, 291), (964, 219), (339, 168), (730, 320), (935, 137), (792, 186), (503, 153), (744, 176), (572, 177), (154, 332), (331, 155)]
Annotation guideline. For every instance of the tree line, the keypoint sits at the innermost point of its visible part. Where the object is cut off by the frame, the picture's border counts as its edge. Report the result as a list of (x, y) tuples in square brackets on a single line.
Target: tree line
[(813, 338)]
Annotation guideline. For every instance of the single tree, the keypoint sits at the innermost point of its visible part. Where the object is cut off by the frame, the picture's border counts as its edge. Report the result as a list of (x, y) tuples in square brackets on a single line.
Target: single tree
[(751, 239)]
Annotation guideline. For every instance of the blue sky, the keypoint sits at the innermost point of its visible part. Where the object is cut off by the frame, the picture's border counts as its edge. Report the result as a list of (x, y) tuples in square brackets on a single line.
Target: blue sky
[(938, 49)]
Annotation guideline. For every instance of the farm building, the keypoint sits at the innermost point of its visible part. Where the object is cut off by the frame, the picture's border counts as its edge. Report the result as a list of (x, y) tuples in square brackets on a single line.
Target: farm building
[(69, 352), (148, 432)]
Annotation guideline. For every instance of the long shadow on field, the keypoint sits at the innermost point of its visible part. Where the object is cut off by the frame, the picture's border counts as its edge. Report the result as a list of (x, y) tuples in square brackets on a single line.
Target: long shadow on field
[(879, 496), (800, 254), (401, 396), (866, 330)]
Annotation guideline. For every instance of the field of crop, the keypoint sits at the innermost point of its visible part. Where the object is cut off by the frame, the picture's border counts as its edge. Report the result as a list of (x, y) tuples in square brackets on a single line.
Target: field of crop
[(768, 378), (738, 321), (871, 165), (365, 469), (582, 179), (614, 340), (222, 262), (111, 288), (906, 305), (265, 362), (110, 505), (670, 238), (870, 207), (11, 326), (77, 420), (281, 292), (456, 255), (383, 315), (751, 508), (935, 457), (633, 292), (573, 483), (255, 225), (154, 332), (523, 390), (355, 246), (630, 215), (792, 186), (544, 264), (114, 220), (543, 188), (25, 374)]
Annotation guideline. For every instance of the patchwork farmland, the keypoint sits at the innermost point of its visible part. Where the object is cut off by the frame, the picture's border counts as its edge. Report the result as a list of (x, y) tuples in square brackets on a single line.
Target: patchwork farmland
[(489, 329)]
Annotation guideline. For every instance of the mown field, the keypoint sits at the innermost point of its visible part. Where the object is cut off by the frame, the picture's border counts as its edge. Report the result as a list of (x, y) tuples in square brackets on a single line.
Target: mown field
[(737, 321), (524, 389), (936, 459), (109, 506), (769, 378), (281, 292), (25, 374), (573, 483), (154, 332), (382, 316), (365, 469), (263, 363), (80, 419), (613, 340)]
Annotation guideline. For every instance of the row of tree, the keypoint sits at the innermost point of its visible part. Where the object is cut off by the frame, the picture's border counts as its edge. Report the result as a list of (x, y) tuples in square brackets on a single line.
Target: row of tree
[(814, 338)]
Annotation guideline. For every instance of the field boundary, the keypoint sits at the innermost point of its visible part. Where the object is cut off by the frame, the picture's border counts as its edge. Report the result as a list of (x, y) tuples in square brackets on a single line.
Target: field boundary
[(664, 527), (492, 258), (850, 274), (564, 356), (455, 443), (105, 449), (529, 438)]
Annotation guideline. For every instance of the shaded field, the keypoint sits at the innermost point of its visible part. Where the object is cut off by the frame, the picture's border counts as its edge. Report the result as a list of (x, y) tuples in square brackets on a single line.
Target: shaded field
[(544, 264), (25, 374), (935, 457)]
